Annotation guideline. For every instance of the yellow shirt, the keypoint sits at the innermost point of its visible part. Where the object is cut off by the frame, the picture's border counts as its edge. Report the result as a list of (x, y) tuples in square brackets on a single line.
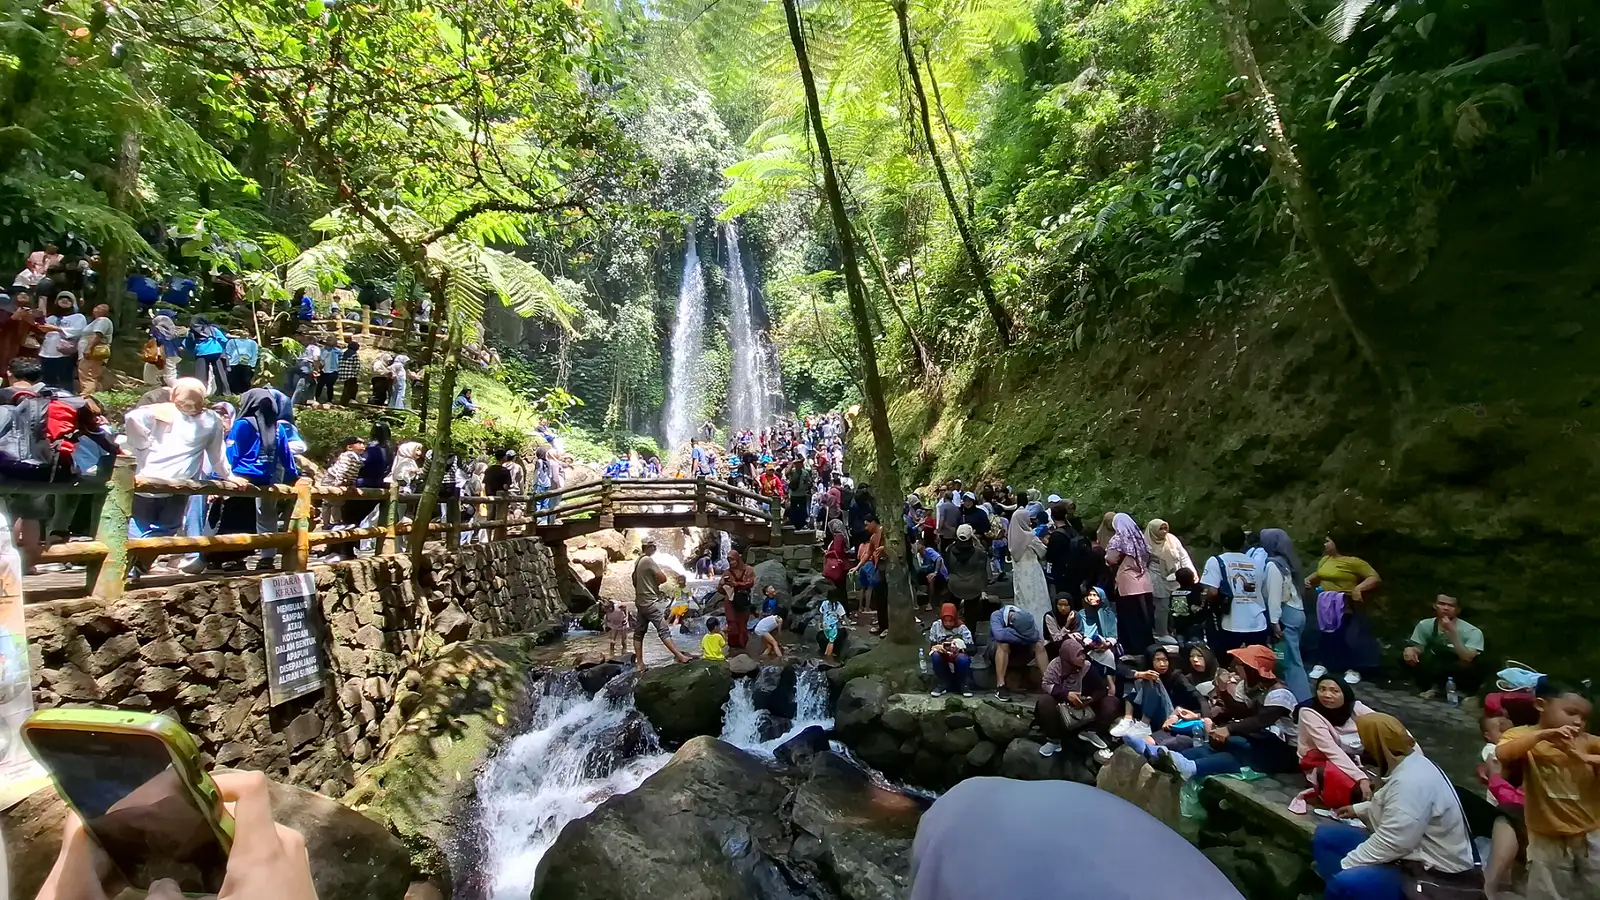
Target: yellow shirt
[(714, 646), (1563, 791), (1343, 573)]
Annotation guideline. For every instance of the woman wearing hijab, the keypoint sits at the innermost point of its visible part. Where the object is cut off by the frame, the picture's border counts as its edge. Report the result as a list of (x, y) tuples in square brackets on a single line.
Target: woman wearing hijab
[(1129, 556), (1328, 743), (1416, 828), (1027, 575), (260, 450), (1167, 557), (397, 371), (168, 340), (207, 343), (1285, 607), (736, 585), (950, 646)]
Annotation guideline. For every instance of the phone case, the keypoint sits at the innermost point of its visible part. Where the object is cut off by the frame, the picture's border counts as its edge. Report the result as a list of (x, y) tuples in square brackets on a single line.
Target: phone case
[(180, 746)]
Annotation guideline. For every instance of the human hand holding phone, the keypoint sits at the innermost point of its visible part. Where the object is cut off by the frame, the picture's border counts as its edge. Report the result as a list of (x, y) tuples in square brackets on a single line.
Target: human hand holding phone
[(267, 859)]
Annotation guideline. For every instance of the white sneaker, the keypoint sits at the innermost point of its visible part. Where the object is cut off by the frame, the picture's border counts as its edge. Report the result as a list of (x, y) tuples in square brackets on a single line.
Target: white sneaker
[(1351, 676), (1102, 756), (1136, 733), (1049, 749), (937, 692), (1317, 672), (1122, 726), (1093, 740)]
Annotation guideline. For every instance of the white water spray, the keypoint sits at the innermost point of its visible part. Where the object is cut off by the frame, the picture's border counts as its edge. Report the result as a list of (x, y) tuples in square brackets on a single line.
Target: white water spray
[(754, 380), (742, 721), (683, 384), (563, 766)]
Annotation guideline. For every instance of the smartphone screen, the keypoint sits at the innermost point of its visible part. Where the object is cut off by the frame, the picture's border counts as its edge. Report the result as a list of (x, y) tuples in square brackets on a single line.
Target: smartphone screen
[(135, 805)]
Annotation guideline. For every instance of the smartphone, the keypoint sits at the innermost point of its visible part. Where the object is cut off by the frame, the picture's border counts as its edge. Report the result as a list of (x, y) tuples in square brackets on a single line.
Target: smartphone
[(137, 782)]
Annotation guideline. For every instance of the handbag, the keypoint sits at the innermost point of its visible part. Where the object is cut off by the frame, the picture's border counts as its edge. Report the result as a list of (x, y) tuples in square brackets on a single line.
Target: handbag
[(100, 352), (152, 353), (1425, 884)]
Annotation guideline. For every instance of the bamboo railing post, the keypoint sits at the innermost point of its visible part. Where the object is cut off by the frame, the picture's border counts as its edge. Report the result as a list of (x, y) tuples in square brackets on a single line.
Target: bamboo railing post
[(108, 577), (702, 511), (608, 491), (298, 556), (391, 518), (452, 519)]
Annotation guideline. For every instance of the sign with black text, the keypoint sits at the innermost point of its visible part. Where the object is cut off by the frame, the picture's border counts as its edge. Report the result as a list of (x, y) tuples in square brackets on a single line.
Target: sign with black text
[(295, 660)]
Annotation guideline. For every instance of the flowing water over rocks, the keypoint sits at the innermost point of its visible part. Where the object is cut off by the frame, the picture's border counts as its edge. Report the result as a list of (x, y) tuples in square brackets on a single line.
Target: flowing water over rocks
[(683, 386)]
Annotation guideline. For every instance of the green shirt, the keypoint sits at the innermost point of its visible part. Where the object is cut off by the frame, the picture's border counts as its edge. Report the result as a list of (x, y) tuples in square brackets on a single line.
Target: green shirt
[(1429, 636)]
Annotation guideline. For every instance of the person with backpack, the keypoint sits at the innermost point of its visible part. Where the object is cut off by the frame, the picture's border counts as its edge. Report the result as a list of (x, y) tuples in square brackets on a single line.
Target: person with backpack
[(162, 350), (207, 343), (1233, 582), (58, 351), (1067, 554), (261, 449)]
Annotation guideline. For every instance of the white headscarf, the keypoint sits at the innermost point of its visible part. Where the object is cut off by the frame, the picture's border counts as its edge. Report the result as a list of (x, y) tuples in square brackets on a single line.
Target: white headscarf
[(1020, 534)]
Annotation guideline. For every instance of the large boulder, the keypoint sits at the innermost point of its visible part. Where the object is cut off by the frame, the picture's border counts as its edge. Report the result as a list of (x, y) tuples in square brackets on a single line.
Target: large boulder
[(860, 704), (352, 856), (895, 665), (424, 785), (1128, 776), (716, 822), (771, 572), (685, 700)]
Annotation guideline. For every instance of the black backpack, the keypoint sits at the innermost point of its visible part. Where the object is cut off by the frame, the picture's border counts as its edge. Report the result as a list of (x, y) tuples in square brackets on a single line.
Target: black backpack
[(26, 450)]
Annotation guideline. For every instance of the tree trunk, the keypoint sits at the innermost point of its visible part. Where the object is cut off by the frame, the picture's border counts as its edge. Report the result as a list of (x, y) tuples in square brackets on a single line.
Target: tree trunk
[(902, 627), (924, 358), (439, 451), (949, 133), (117, 260), (441, 313), (1347, 282), (969, 239)]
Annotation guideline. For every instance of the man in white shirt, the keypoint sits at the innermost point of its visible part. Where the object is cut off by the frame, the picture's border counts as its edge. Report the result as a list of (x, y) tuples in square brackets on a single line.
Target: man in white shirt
[(91, 361), (1240, 579)]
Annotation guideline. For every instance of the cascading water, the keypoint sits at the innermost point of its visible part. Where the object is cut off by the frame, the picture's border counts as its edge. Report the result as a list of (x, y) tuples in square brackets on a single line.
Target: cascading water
[(742, 721), (683, 385), (754, 380), (576, 752)]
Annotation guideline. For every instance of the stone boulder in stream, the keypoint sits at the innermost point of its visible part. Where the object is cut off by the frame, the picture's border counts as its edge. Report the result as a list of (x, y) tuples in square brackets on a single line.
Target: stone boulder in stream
[(684, 700), (771, 572), (716, 822)]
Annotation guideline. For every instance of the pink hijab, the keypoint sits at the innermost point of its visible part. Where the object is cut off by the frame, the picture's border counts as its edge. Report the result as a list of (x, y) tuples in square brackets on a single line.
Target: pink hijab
[(1129, 541)]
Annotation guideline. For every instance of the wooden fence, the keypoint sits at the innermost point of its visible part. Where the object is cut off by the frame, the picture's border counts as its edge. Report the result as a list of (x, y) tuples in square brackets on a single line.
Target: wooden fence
[(554, 516)]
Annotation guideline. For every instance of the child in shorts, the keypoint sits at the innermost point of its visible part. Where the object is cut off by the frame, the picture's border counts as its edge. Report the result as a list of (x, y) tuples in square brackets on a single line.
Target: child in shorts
[(767, 630), (1561, 765)]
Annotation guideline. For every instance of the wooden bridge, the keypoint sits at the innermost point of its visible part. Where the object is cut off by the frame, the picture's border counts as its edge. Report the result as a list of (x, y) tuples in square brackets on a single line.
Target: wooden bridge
[(554, 516)]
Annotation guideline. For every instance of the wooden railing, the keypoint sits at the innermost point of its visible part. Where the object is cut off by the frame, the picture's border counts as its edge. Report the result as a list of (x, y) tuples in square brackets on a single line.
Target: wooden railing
[(556, 515)]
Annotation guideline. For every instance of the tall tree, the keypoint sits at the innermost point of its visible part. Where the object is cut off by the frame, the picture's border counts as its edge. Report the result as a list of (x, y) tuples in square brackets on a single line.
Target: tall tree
[(886, 469), (1348, 283), (969, 238)]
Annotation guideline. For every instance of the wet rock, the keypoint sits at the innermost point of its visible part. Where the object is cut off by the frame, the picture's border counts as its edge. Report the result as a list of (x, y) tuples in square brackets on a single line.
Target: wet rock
[(798, 750), (1001, 726), (773, 690), (743, 664), (772, 572), (1022, 761), (594, 677), (1128, 776), (980, 756), (861, 703), (684, 700)]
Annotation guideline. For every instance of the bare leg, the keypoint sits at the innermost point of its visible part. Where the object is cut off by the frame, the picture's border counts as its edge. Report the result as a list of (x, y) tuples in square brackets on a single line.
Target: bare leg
[(638, 651), (1002, 658), (1039, 659), (671, 647), (1502, 856)]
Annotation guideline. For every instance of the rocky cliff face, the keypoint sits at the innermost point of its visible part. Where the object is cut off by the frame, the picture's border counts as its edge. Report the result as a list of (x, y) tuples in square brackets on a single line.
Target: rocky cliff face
[(1464, 473)]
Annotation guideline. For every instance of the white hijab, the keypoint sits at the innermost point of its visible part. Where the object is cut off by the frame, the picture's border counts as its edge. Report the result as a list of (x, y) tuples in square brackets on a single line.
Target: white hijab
[(1020, 534)]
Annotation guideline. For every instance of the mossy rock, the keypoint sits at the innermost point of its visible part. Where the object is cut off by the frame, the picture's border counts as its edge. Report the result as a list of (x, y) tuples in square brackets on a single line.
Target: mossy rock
[(684, 701), (894, 664), (423, 786)]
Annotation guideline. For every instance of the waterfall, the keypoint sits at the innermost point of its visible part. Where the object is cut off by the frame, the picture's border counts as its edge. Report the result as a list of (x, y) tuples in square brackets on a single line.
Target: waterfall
[(575, 752), (683, 383), (742, 722), (754, 379)]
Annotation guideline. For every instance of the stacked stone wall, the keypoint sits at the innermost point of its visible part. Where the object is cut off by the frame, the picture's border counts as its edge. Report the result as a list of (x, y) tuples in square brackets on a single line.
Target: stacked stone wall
[(195, 652)]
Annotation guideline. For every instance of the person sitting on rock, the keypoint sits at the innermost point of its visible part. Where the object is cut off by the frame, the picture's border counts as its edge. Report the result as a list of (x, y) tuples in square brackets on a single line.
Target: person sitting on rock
[(1012, 626), (1076, 699), (1246, 730), (1058, 623), (1443, 647), (949, 642)]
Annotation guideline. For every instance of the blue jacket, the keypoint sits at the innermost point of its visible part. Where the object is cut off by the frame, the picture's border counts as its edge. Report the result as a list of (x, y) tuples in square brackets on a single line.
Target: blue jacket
[(211, 345), (244, 453)]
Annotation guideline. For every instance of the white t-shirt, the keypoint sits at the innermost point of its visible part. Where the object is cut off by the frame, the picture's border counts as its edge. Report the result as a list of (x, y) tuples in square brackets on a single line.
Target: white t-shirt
[(100, 326), (178, 450), (71, 327), (28, 278), (1248, 612), (767, 625)]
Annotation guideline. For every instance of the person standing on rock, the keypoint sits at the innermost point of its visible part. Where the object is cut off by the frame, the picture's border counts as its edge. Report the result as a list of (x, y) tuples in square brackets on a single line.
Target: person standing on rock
[(649, 606), (736, 585)]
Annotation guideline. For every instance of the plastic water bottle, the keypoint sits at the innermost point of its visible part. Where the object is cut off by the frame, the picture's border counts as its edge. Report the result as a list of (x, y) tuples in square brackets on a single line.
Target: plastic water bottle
[(1450, 693), (923, 665)]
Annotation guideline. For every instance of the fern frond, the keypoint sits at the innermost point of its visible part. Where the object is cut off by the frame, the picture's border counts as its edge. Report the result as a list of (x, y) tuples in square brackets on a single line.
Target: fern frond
[(1345, 17)]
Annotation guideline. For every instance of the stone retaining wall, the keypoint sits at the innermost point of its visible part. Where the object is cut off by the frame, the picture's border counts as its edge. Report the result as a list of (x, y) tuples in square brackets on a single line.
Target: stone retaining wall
[(195, 652), (799, 559)]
